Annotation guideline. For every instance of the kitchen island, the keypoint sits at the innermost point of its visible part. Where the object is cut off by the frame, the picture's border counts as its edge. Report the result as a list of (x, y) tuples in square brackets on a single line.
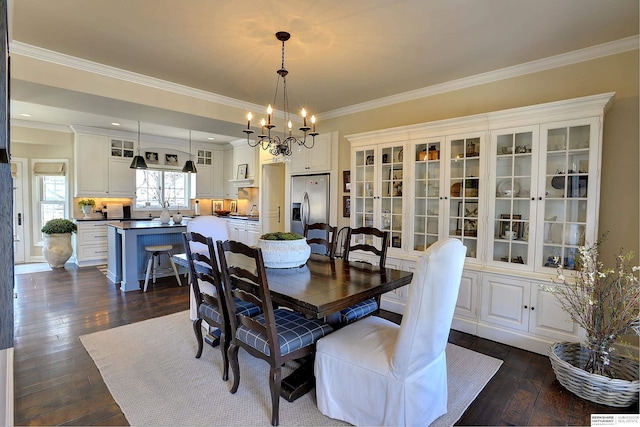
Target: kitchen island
[(126, 256)]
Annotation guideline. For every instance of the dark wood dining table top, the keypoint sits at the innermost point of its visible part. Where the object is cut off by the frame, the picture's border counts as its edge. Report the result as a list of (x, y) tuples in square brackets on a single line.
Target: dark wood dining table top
[(323, 286)]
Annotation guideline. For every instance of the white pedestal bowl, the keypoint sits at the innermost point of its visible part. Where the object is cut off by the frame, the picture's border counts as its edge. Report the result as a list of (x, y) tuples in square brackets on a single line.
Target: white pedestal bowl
[(284, 253)]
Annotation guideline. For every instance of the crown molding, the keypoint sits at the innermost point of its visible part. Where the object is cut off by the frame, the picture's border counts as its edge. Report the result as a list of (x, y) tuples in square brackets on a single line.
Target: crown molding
[(40, 125), (35, 52), (581, 55), (587, 54)]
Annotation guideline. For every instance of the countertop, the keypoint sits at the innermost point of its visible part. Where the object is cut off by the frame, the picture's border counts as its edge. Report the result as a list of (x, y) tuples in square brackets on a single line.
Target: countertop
[(244, 217), (139, 225)]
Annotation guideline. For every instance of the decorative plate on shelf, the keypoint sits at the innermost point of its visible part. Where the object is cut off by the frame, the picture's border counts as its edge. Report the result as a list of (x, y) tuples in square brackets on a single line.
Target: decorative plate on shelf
[(508, 189)]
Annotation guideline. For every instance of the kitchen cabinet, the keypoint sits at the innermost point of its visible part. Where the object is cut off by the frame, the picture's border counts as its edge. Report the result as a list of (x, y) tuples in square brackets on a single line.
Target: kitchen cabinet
[(230, 190), (102, 167), (316, 159), (90, 243), (90, 165), (209, 180), (518, 312), (519, 188), (122, 179), (245, 231)]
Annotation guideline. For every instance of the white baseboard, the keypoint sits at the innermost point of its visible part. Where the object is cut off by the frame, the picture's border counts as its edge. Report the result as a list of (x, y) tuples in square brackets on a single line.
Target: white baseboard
[(6, 386)]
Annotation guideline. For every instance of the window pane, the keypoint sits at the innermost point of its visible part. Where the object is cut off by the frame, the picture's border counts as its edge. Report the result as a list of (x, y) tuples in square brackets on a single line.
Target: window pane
[(174, 188), (151, 184), (54, 189)]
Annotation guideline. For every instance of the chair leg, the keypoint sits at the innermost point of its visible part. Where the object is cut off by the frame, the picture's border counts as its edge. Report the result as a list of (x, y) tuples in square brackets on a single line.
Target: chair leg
[(224, 348), (197, 328), (146, 278), (154, 269), (175, 270), (275, 382), (235, 367)]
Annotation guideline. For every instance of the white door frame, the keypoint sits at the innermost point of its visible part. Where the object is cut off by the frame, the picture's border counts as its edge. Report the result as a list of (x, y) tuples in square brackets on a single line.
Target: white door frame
[(21, 234)]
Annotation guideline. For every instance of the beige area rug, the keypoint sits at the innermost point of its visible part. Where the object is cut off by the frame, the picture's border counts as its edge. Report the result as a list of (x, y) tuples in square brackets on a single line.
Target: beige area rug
[(152, 373)]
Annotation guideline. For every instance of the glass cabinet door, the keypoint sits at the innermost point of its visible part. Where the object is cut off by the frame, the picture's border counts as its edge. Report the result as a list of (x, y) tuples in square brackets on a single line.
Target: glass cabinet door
[(464, 189), (362, 183), (513, 164), (427, 197), (569, 195), (391, 180), (378, 190)]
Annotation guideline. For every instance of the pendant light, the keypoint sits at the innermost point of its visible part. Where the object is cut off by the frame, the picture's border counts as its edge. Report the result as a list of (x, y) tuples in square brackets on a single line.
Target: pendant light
[(189, 166), (138, 161)]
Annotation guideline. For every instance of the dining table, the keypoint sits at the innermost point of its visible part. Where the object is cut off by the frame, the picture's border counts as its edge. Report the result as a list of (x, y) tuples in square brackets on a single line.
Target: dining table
[(320, 288)]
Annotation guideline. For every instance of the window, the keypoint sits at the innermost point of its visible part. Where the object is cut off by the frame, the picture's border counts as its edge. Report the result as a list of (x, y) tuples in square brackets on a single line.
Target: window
[(51, 196), (154, 187)]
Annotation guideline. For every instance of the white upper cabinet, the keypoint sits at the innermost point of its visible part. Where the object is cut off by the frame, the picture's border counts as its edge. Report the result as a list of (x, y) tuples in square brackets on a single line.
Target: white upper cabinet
[(312, 160), (90, 165)]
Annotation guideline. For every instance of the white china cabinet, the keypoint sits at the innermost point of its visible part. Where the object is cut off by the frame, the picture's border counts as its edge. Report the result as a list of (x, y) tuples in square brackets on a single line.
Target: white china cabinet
[(377, 189), (519, 188)]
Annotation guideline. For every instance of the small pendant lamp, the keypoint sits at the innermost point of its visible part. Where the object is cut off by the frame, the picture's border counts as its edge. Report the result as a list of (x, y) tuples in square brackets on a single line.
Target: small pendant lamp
[(189, 166), (138, 161)]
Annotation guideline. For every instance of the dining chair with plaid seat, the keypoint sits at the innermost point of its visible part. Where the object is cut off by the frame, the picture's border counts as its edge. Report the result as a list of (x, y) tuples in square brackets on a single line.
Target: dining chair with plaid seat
[(277, 335)]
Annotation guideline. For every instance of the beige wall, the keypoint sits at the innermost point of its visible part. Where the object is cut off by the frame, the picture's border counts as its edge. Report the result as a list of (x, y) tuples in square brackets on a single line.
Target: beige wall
[(620, 186)]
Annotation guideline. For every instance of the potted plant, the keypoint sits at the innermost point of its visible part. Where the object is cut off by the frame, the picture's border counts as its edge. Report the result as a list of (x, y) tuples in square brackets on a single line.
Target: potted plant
[(605, 302), (86, 205), (284, 249), (57, 241)]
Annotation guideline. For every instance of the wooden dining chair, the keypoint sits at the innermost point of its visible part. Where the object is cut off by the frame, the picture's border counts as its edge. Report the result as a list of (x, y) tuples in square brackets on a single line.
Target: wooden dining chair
[(364, 234), (277, 335), (210, 306), (376, 373), (313, 232)]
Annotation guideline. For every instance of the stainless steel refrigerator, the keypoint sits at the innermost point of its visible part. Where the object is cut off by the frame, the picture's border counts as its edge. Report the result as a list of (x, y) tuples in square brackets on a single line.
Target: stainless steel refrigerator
[(310, 204)]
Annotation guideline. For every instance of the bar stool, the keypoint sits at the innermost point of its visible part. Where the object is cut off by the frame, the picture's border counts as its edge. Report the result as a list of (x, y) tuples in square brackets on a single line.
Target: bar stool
[(156, 251)]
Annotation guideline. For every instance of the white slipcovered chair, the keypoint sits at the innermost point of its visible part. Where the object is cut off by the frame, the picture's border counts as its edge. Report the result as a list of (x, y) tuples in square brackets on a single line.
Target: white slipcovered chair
[(376, 373), (208, 226)]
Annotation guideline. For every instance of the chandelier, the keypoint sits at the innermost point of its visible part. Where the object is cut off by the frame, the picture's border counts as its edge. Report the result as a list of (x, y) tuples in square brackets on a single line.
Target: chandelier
[(273, 143)]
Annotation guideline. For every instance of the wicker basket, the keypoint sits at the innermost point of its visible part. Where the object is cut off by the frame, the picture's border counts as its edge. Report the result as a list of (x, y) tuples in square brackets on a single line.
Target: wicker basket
[(567, 360)]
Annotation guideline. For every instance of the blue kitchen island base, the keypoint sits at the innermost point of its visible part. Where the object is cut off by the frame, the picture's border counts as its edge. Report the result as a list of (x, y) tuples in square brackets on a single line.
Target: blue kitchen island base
[(127, 258)]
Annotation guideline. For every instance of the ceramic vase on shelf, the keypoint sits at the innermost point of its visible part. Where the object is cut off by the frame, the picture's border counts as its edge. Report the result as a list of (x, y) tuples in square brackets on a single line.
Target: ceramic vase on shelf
[(165, 216), (177, 218)]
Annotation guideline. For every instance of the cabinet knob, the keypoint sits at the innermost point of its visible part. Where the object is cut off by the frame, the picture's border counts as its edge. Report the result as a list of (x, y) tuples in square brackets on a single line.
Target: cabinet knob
[(533, 308), (533, 198), (526, 307), (540, 198)]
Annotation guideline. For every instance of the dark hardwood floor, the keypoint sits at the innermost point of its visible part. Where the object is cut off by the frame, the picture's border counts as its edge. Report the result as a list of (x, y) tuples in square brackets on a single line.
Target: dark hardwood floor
[(57, 383)]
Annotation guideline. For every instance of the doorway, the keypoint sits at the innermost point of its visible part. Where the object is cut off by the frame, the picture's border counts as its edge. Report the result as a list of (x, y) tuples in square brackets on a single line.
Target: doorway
[(272, 195), (20, 214)]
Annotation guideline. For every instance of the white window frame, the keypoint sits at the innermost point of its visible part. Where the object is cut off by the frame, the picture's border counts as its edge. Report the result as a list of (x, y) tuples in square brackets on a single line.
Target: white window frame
[(155, 203), (36, 200)]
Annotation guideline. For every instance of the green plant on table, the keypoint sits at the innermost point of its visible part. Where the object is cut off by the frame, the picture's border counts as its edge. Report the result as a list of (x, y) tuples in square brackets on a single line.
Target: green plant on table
[(59, 226), (281, 235), (605, 302)]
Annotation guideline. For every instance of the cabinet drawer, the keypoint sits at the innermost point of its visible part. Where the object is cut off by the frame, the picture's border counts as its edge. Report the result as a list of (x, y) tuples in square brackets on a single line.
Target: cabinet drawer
[(92, 252), (92, 235)]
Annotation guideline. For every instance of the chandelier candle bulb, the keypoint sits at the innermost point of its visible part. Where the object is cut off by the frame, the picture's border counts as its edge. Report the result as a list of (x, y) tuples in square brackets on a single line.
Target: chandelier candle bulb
[(304, 118), (249, 121), (313, 123), (269, 111)]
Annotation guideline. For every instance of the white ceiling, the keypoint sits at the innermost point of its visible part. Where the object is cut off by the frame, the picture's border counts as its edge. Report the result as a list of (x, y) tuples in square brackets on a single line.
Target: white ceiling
[(341, 53)]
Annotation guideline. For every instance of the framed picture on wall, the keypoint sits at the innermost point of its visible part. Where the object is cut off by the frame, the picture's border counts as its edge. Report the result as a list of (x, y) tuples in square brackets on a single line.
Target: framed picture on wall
[(346, 206), (346, 181), (242, 171), (151, 157), (233, 207)]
